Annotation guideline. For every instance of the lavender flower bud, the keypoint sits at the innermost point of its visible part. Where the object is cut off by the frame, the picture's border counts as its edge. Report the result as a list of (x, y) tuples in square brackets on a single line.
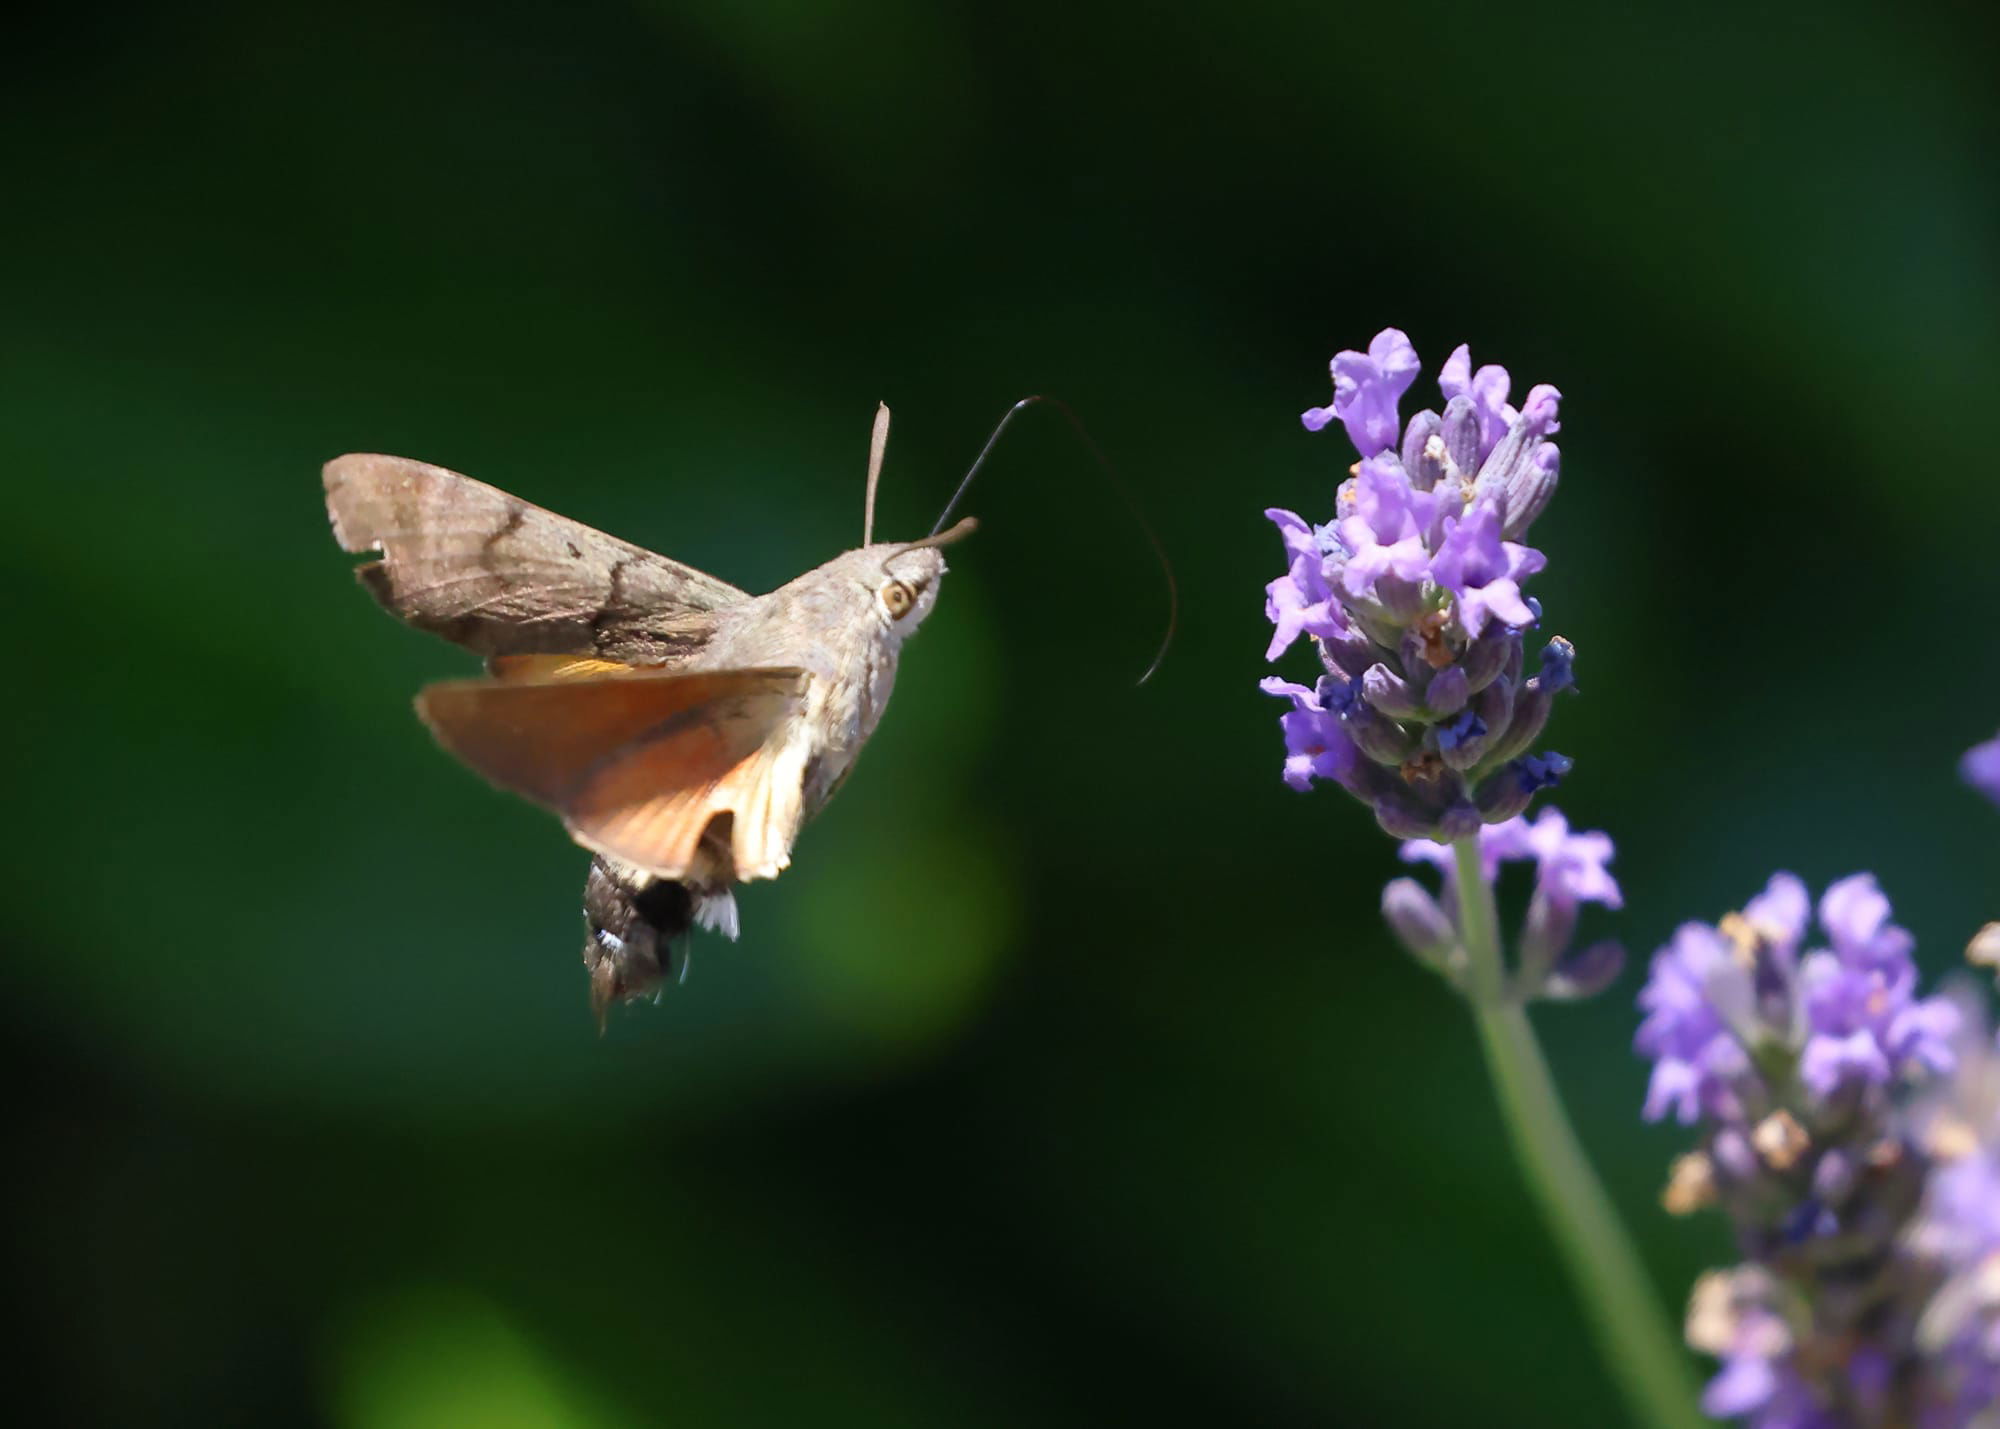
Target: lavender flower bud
[(1545, 935), (1495, 707), (1402, 817), (1419, 924), (1505, 794), (1587, 973), (1520, 473), (1486, 657), (1390, 693), (1347, 654), (1835, 1177), (1499, 469), (1558, 666), (1502, 797), (1529, 494), (1423, 459), (1459, 820), (1734, 1156), (1460, 739), (1460, 429), (1532, 708), (1380, 738), (1447, 692)]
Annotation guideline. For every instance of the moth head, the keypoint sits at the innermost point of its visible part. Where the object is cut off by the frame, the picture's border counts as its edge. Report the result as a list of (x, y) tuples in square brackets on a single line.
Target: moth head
[(905, 586), (906, 578)]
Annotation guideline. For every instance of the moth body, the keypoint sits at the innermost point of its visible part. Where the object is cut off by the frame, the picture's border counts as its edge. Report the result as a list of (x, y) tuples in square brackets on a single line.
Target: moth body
[(835, 624)]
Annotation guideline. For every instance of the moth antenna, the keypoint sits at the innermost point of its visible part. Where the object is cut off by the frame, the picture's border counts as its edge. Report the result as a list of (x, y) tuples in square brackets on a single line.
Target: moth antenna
[(878, 443), (1117, 484)]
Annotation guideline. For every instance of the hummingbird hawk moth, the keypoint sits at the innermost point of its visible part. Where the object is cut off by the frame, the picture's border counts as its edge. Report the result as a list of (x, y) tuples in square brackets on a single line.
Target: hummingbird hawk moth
[(684, 730)]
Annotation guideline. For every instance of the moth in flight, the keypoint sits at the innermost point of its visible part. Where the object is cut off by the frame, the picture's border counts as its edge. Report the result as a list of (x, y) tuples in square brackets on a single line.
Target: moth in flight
[(684, 730)]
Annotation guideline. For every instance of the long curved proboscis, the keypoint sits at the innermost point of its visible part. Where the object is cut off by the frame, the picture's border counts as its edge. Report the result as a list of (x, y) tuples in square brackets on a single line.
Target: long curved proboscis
[(1117, 484), (936, 538)]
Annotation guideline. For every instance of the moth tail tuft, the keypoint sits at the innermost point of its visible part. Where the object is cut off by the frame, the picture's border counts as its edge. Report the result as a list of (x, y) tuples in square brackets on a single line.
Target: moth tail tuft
[(716, 911)]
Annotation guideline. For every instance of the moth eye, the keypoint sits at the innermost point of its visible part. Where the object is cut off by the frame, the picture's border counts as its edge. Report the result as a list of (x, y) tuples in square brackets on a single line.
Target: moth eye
[(898, 598)]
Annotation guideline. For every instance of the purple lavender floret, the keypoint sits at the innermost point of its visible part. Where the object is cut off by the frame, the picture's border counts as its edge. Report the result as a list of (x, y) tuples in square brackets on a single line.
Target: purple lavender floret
[(1981, 768), (1851, 1133), (1571, 869), (1483, 572), (1413, 595), (1735, 1016), (1367, 386)]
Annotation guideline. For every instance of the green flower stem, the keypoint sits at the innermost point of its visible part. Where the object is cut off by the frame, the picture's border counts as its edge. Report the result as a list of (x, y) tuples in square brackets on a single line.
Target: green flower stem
[(1624, 1316)]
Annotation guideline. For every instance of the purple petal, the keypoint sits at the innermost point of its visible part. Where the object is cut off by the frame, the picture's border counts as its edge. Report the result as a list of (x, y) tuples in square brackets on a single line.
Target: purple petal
[(1923, 1035), (1484, 572), (1368, 386), (1294, 529), (1855, 914), (1747, 1383), (1489, 397), (1456, 374), (1830, 1061), (1538, 412), (1780, 914)]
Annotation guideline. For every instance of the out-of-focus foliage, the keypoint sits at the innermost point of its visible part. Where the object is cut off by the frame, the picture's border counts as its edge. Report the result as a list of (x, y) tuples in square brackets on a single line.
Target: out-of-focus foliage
[(1067, 1077)]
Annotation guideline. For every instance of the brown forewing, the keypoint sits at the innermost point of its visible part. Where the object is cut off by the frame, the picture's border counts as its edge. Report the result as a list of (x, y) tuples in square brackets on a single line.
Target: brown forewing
[(500, 576)]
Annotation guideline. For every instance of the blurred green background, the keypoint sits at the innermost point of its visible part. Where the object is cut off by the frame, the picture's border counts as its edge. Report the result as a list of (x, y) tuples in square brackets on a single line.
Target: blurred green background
[(1067, 1077)]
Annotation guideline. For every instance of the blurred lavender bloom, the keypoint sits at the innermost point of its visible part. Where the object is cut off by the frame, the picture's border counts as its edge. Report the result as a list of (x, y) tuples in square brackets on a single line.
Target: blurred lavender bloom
[(1416, 586), (1697, 1058), (1957, 1229), (1572, 866), (1733, 1315), (1732, 1011), (1852, 1136), (1981, 768)]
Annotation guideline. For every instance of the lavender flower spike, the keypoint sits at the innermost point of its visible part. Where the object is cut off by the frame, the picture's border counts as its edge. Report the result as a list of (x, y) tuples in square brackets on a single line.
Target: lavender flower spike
[(1413, 595), (1737, 1020)]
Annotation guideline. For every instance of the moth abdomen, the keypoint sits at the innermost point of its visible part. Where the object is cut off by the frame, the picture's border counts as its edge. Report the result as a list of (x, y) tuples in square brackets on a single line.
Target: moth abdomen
[(631, 922)]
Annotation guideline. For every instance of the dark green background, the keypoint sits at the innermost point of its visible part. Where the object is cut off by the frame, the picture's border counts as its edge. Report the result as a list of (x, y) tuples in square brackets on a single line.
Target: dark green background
[(1068, 1077)]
